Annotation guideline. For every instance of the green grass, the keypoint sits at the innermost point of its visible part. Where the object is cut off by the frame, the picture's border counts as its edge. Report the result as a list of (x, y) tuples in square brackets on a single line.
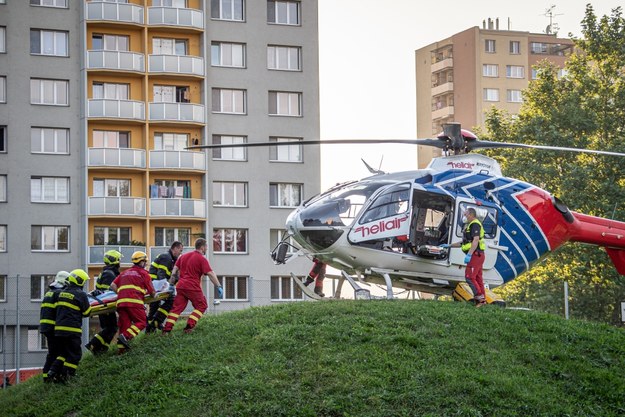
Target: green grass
[(351, 358)]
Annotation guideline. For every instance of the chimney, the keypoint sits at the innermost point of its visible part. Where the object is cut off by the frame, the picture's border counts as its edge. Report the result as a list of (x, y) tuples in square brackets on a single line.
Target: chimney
[(497, 23), (483, 24), (509, 24), (490, 24)]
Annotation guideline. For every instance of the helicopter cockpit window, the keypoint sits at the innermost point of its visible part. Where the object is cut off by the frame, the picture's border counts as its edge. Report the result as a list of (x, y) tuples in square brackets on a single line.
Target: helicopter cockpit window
[(391, 202), (486, 215)]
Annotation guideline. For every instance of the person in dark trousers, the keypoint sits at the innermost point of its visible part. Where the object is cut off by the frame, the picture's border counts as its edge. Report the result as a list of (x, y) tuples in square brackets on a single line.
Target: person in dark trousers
[(160, 272), (72, 306), (108, 322), (131, 287), (191, 267), (47, 320), (317, 274)]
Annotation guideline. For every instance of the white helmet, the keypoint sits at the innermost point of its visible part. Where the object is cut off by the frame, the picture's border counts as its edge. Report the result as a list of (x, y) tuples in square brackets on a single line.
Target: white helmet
[(60, 280)]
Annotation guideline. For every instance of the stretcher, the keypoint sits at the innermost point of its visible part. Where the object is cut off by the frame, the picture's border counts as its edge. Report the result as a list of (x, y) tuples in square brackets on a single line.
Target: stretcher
[(463, 292), (105, 302)]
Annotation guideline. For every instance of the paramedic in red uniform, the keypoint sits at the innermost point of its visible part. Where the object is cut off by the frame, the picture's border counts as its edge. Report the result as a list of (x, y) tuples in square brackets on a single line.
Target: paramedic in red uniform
[(131, 287), (317, 274), (191, 267)]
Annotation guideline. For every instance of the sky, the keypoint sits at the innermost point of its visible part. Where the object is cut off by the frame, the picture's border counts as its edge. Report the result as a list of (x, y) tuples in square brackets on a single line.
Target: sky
[(367, 75)]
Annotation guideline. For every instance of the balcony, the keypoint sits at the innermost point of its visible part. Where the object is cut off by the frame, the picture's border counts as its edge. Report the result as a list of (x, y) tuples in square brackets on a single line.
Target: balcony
[(116, 206), (178, 207), (114, 12), (443, 88), (117, 157), (443, 64), (176, 64), (96, 253), (116, 109), (173, 16), (178, 160), (157, 250), (116, 61), (176, 112), (442, 113)]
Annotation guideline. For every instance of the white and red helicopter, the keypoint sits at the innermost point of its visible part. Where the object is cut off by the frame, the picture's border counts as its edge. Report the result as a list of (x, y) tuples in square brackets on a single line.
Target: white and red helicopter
[(388, 228)]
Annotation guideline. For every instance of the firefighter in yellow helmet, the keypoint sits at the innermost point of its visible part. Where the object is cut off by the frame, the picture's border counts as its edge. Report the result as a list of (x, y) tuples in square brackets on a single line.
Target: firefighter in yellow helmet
[(47, 320), (72, 306)]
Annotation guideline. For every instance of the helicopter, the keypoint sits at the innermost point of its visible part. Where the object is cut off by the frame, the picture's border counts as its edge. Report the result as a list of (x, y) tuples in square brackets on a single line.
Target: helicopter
[(393, 229)]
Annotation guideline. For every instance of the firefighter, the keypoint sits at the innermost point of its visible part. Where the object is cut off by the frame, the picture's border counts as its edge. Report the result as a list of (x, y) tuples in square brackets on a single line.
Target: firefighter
[(108, 322), (160, 272), (48, 320), (317, 274), (72, 306), (131, 287)]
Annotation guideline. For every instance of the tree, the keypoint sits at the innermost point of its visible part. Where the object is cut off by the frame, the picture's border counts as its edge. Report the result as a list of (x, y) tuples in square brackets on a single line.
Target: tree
[(583, 109)]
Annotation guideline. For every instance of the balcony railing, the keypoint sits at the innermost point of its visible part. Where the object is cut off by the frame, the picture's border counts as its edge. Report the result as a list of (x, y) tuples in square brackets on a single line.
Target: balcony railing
[(178, 159), (445, 63), (118, 109), (185, 207), (443, 88), (443, 112), (116, 12), (176, 64), (116, 60), (176, 112), (117, 206), (117, 157), (173, 16), (157, 250), (96, 253)]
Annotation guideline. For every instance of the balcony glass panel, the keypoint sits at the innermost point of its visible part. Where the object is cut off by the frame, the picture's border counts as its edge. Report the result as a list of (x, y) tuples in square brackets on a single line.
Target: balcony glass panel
[(177, 159), (192, 65), (186, 207), (117, 12), (123, 109), (115, 60), (117, 157), (124, 206), (172, 16), (181, 112), (96, 253), (157, 250)]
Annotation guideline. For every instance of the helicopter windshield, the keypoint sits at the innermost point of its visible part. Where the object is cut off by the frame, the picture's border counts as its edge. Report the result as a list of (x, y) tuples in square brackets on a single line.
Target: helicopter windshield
[(340, 207)]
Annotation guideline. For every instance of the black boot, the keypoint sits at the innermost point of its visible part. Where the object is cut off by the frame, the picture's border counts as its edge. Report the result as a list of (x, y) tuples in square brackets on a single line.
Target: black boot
[(309, 280), (319, 291)]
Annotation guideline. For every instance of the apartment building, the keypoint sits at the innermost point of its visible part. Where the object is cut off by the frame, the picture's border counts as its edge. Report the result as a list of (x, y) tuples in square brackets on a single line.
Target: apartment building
[(115, 93), (459, 78)]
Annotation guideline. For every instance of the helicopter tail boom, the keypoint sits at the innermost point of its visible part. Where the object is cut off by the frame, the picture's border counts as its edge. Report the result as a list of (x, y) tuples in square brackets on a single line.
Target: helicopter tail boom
[(602, 232)]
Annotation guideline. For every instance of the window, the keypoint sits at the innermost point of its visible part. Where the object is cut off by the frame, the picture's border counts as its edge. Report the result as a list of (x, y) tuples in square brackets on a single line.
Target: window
[(3, 238), (486, 215), (283, 288), (165, 236), (277, 235), (111, 139), (562, 72), (171, 94), (110, 91), (283, 12), (286, 58), (49, 190), (3, 39), (36, 340), (230, 241), (285, 195), (229, 101), (3, 139), (515, 71), (489, 46), (3, 89), (391, 202), (491, 94), (49, 140), (224, 54), (101, 42), (534, 73), (490, 70), (285, 103), (49, 3), (285, 153), (514, 96), (229, 154), (49, 92), (168, 46), (170, 141), (228, 10), (49, 238), (3, 289), (180, 4), (231, 194), (48, 42), (538, 47), (235, 288), (111, 187), (104, 235), (3, 188), (515, 47)]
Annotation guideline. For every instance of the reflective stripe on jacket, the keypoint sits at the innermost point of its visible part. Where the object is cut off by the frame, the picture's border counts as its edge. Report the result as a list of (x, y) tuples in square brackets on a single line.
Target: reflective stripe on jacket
[(467, 238)]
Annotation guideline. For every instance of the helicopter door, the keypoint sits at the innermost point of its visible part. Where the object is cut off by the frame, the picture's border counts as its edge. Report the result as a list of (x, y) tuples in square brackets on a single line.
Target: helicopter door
[(488, 215)]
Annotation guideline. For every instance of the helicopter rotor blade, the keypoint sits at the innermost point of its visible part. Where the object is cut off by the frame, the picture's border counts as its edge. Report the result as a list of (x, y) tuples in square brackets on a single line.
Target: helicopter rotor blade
[(489, 144), (426, 142)]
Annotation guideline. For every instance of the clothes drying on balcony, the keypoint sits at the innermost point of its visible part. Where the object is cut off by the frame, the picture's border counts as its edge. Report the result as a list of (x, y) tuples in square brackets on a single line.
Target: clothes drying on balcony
[(162, 191)]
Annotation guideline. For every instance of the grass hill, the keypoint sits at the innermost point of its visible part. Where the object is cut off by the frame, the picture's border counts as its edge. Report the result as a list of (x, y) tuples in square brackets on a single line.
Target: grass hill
[(351, 358)]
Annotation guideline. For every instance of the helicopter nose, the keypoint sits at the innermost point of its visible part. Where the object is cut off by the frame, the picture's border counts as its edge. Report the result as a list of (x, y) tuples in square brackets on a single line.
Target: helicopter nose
[(311, 235)]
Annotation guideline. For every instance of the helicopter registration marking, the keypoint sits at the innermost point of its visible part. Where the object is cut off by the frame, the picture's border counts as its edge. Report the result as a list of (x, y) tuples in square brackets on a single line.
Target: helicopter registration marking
[(380, 227)]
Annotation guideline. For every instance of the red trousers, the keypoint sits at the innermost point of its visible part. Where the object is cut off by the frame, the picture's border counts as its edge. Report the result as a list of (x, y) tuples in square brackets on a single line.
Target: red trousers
[(131, 320), (473, 275), (183, 296)]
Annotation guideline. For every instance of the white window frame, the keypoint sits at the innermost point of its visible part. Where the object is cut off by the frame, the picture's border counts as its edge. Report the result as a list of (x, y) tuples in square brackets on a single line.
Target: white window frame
[(515, 47), (3, 89), (284, 58), (286, 153), (169, 46), (514, 96), (231, 233), (515, 71), (3, 238), (491, 94), (3, 39), (490, 46), (283, 13), (37, 342), (177, 4), (58, 185), (229, 154), (534, 74), (111, 42), (490, 70), (228, 54), (59, 42), (3, 293), (294, 289), (103, 184), (562, 72), (40, 136), (42, 281), (223, 189), (3, 188), (287, 191), (218, 11), (285, 103), (231, 287), (177, 236), (38, 87), (277, 235), (50, 229), (61, 4), (110, 138), (229, 101), (106, 235), (170, 141), (110, 91)]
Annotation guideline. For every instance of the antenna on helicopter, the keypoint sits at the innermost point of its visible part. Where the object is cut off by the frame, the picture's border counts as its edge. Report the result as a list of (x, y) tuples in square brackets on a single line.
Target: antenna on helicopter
[(371, 169)]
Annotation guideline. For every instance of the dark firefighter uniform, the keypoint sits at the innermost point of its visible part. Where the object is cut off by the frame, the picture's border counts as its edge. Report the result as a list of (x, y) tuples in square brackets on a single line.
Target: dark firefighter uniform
[(160, 270), (473, 272), (108, 322), (47, 321)]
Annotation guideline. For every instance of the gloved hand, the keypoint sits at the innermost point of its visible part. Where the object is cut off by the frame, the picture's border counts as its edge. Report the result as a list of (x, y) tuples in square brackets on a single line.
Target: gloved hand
[(445, 245), (172, 290), (220, 292), (467, 258)]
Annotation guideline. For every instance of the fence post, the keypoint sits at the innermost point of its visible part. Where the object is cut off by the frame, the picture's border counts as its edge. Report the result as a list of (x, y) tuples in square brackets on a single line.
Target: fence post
[(4, 345), (17, 332), (566, 300)]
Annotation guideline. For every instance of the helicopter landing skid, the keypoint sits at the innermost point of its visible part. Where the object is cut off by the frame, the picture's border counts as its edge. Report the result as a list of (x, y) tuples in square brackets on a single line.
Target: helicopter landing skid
[(309, 293)]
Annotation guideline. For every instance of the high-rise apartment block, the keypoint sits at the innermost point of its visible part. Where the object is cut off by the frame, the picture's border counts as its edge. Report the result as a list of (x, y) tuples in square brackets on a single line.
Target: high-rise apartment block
[(459, 78), (99, 101)]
